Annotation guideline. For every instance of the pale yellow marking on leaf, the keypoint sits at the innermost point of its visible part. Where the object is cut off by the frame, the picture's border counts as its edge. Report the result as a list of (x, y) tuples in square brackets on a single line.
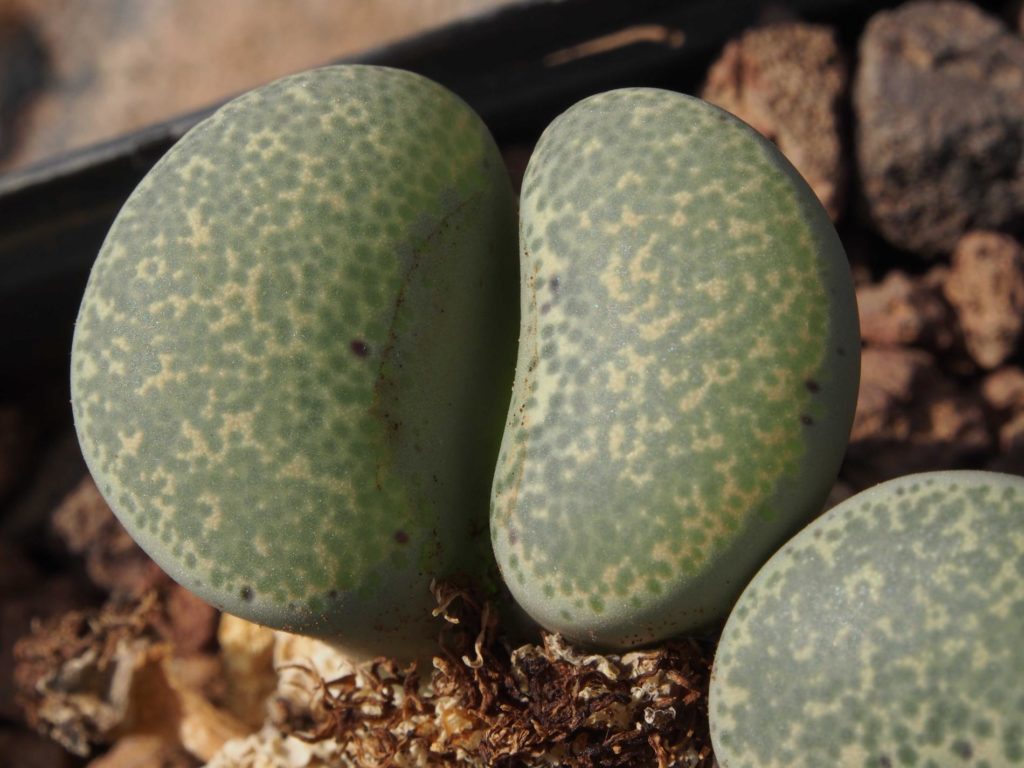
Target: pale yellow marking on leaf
[(588, 455), (715, 186), (593, 145), (716, 288), (777, 435), (200, 449), (713, 442), (242, 424), (612, 281), (165, 509), (150, 269), (665, 553), (201, 236), (726, 470), (213, 521), (617, 379), (616, 436), (163, 377), (643, 265), (179, 305), (297, 219), (629, 179), (656, 329), (298, 468), (610, 576), (630, 218), (89, 368), (210, 409), (130, 442), (682, 198), (709, 325), (773, 386), (763, 348), (693, 398), (114, 367), (275, 142), (168, 480), (1007, 585), (105, 308), (114, 253), (195, 163)]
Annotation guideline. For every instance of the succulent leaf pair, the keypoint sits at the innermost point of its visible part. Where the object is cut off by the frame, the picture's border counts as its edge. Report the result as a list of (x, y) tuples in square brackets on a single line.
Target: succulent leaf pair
[(296, 348)]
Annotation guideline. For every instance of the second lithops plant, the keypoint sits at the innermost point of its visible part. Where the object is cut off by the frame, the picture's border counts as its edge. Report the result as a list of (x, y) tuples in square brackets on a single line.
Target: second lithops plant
[(687, 373), (889, 632), (294, 353)]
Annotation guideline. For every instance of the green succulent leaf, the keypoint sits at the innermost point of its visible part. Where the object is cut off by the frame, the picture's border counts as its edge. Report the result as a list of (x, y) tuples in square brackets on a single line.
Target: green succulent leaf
[(687, 372), (887, 633), (294, 353)]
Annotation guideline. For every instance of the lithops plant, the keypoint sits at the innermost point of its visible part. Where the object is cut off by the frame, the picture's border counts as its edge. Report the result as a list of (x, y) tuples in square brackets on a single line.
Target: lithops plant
[(294, 354), (687, 369), (889, 632)]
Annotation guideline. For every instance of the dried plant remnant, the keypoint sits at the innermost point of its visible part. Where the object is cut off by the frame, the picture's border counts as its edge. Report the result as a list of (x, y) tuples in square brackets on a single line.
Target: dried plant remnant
[(89, 678), (488, 704)]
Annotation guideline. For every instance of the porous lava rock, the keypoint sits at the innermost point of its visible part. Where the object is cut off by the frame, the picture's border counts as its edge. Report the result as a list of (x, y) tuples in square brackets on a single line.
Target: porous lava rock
[(911, 417), (904, 310), (1003, 390), (939, 105), (986, 287)]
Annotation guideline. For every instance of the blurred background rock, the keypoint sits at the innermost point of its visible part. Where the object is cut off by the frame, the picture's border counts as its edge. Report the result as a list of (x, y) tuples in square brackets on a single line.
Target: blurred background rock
[(75, 72)]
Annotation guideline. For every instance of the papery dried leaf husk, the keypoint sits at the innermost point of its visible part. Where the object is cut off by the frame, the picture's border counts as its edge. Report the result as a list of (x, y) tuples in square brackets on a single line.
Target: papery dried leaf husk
[(91, 677), (483, 704)]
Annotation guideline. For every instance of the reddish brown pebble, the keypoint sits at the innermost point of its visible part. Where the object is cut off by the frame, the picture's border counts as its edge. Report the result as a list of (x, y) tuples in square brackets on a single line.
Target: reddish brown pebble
[(911, 417), (902, 310), (939, 103), (1003, 390), (986, 288)]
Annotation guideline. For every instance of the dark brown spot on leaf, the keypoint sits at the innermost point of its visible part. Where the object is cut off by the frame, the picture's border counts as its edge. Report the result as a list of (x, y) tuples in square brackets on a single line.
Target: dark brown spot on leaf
[(401, 537), (963, 749), (246, 593), (806, 420), (359, 348), (812, 385)]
